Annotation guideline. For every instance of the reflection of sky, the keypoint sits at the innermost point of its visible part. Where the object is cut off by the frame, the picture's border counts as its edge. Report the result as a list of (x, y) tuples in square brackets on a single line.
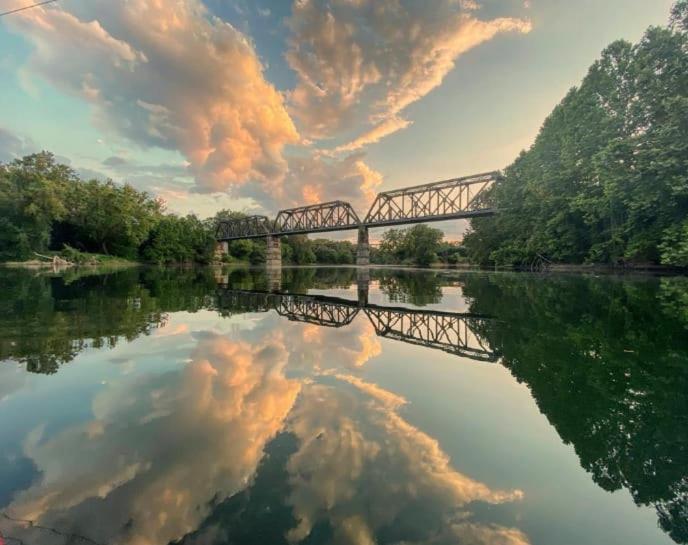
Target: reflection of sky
[(130, 445)]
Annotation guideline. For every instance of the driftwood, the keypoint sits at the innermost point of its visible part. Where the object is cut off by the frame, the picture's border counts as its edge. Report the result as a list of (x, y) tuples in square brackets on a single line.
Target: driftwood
[(56, 261)]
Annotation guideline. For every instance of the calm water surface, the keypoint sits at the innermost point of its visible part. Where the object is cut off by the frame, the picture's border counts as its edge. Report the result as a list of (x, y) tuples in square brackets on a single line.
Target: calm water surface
[(345, 407)]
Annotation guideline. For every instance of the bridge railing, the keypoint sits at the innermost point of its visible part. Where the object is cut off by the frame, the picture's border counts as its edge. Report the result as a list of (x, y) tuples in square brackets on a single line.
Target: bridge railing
[(248, 227)]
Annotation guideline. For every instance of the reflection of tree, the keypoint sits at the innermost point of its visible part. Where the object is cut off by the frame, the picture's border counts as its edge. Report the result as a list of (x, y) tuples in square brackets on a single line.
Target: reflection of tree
[(46, 321), (411, 287), (608, 366), (292, 280)]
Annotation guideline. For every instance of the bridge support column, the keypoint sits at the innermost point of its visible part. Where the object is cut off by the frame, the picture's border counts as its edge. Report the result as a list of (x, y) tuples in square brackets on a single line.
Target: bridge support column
[(273, 254), (221, 249), (363, 285), (363, 248)]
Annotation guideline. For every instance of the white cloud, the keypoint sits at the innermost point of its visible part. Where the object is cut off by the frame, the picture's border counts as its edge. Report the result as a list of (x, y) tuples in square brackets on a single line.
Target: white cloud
[(13, 146)]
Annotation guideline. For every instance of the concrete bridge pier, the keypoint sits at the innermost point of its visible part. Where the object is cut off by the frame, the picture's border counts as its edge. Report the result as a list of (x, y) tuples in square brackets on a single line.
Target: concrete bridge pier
[(273, 254), (363, 286), (274, 279), (221, 249), (363, 248)]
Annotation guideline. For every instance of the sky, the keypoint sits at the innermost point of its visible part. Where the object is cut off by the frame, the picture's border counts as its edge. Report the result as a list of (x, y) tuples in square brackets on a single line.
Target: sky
[(258, 106)]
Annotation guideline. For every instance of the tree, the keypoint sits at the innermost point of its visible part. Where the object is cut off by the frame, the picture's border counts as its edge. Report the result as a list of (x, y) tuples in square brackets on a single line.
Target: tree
[(607, 177), (179, 240), (32, 198), (418, 244)]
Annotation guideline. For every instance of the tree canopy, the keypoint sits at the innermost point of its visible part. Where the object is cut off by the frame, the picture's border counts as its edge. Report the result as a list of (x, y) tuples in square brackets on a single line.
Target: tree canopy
[(606, 180)]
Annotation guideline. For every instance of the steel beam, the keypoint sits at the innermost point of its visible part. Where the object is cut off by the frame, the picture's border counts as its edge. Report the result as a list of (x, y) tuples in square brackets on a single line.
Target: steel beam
[(248, 227)]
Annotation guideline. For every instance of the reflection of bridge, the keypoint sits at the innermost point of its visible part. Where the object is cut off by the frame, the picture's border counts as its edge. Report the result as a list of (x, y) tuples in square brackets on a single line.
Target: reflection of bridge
[(455, 333), (438, 201)]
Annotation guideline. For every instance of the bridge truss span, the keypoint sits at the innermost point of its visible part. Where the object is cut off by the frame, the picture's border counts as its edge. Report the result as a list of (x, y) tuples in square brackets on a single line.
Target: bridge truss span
[(248, 227), (328, 216), (313, 311), (436, 201)]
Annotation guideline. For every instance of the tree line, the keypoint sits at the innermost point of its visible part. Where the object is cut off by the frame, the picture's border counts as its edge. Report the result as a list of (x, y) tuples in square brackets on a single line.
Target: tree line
[(45, 207), (606, 180)]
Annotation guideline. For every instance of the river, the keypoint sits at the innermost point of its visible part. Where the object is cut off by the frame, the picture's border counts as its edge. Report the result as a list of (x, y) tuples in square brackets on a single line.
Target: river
[(335, 405)]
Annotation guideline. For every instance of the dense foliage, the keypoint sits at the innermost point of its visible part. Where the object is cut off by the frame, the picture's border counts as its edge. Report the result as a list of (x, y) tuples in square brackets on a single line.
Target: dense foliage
[(606, 180), (418, 245), (45, 206)]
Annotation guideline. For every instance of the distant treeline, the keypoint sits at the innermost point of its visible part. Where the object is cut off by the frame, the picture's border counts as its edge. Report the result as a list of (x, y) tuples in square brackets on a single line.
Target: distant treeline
[(46, 208), (606, 180), (419, 245)]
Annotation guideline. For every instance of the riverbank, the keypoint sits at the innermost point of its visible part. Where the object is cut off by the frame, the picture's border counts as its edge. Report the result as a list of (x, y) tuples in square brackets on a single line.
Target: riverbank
[(60, 261)]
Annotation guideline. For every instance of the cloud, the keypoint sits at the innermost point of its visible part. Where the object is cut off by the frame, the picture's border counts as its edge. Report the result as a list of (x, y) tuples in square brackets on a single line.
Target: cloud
[(362, 62), (350, 445), (146, 468), (13, 146), (167, 76), (377, 133), (317, 178)]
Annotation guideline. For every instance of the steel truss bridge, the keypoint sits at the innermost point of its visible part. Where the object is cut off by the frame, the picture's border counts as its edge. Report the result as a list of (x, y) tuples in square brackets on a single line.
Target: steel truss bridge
[(458, 198), (456, 333)]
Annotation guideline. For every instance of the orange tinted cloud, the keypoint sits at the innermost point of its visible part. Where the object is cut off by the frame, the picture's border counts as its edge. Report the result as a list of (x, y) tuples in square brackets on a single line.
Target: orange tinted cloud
[(356, 452), (167, 75), (145, 469)]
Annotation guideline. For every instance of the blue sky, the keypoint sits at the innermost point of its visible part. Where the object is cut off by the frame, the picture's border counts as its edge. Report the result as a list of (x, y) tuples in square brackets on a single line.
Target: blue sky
[(268, 104)]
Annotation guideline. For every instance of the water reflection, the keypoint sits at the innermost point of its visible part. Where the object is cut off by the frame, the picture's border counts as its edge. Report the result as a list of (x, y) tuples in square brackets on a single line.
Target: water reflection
[(46, 321), (272, 432), (455, 333)]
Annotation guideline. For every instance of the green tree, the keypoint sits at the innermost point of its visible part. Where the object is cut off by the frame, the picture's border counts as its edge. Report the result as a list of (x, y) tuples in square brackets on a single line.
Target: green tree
[(607, 177), (179, 240), (32, 198)]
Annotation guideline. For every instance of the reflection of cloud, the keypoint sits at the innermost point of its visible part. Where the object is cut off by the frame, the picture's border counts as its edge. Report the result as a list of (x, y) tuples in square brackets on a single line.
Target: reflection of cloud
[(363, 469), (323, 350), (169, 330), (158, 451), (12, 378), (363, 62)]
